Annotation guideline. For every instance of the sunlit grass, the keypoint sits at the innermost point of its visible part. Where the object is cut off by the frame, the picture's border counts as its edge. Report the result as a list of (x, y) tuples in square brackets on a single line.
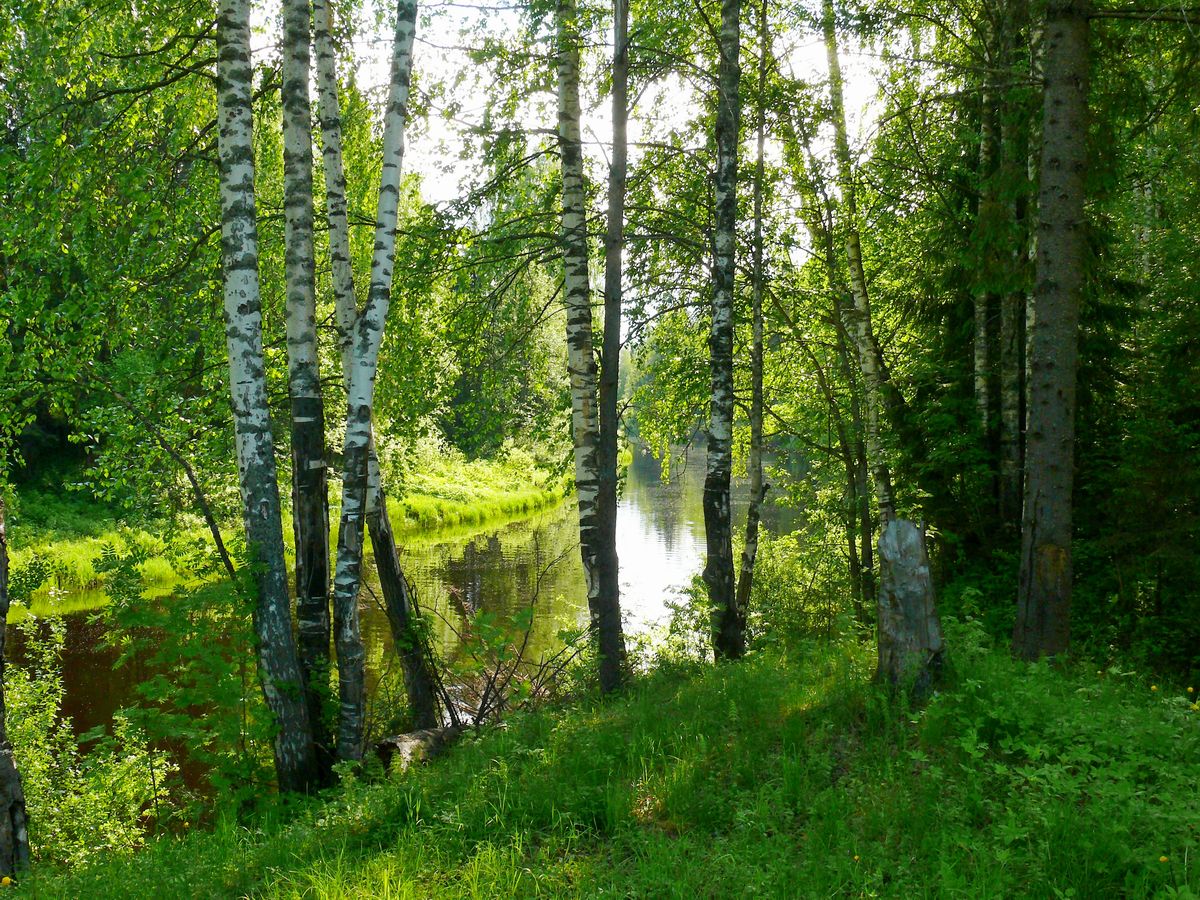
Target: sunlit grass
[(786, 775)]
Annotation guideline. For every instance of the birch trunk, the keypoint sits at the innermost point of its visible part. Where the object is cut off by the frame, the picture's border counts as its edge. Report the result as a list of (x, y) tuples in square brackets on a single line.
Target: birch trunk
[(612, 640), (278, 666), (1043, 604), (758, 488), (367, 338), (581, 360), (981, 301), (911, 651), (857, 316), (14, 823), (310, 494), (418, 679), (729, 632)]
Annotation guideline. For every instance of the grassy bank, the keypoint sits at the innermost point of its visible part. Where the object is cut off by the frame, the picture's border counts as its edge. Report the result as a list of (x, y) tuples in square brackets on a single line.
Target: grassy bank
[(67, 532), (785, 775)]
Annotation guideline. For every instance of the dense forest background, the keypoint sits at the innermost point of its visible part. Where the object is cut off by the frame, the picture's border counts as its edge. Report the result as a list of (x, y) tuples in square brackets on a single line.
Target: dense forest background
[(923, 265)]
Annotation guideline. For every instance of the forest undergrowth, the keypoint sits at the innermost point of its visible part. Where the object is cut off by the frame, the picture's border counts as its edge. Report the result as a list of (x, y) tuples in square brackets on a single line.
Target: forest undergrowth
[(787, 774)]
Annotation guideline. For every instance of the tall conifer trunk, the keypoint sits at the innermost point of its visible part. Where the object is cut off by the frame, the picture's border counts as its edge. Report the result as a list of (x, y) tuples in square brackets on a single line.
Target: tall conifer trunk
[(367, 338), (278, 665), (1043, 605), (14, 822), (729, 631), (310, 497)]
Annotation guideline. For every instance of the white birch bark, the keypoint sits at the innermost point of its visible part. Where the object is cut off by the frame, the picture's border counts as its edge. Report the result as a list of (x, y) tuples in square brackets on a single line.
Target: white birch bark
[(729, 633), (310, 496), (279, 670), (367, 338), (581, 360)]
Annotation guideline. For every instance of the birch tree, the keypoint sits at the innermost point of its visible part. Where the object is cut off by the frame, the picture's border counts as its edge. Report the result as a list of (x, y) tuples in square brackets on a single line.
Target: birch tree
[(729, 632), (758, 488), (911, 649), (14, 824), (310, 497), (278, 665), (418, 680), (581, 358), (366, 338), (1044, 599), (612, 641)]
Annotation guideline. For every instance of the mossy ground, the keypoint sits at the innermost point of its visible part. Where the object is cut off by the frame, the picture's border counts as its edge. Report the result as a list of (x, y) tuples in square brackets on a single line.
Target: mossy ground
[(786, 775)]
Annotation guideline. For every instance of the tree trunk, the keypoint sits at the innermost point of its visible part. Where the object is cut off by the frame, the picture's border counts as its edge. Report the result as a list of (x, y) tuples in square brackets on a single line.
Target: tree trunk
[(367, 338), (1014, 142), (310, 496), (729, 632), (612, 640), (857, 316), (14, 825), (279, 668), (758, 488), (581, 359), (418, 679), (1043, 606), (910, 642)]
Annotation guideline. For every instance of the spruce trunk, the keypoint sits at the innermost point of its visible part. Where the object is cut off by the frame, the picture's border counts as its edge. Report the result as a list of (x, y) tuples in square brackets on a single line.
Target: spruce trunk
[(1043, 604)]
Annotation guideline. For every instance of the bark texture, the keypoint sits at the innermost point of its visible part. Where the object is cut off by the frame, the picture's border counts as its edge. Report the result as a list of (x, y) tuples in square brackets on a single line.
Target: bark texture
[(418, 678), (367, 338), (581, 360), (1043, 604), (729, 625), (14, 823), (279, 668), (758, 487), (310, 495), (612, 640)]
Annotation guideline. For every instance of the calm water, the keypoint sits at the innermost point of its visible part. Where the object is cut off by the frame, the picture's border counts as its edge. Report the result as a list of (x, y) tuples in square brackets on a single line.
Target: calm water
[(660, 540)]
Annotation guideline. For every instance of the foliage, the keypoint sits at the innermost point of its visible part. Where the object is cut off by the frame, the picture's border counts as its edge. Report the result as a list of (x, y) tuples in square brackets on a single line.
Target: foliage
[(102, 798), (751, 779)]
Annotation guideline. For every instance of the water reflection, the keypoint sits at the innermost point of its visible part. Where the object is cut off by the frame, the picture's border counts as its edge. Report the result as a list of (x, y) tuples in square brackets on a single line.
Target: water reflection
[(660, 542)]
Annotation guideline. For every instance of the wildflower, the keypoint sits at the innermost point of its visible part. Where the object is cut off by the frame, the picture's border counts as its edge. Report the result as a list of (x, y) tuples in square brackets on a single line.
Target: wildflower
[(6, 881), (1191, 690), (856, 857), (1162, 859), (1154, 687)]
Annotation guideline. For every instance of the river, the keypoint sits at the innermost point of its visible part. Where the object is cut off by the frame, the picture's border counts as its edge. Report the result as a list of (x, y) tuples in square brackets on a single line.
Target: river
[(501, 568)]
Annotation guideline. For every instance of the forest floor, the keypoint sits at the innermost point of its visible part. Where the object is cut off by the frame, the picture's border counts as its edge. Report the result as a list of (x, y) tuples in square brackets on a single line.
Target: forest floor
[(788, 774), (67, 531)]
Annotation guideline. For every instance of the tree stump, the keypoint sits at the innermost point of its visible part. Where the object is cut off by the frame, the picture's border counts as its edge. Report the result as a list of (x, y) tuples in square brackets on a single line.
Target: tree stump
[(911, 649), (403, 750)]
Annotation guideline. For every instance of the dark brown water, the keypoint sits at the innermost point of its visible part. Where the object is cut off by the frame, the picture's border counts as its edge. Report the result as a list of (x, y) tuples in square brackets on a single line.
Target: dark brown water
[(503, 568)]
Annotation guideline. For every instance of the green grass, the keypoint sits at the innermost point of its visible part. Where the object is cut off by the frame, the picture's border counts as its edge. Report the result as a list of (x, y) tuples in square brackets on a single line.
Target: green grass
[(448, 494), (785, 775)]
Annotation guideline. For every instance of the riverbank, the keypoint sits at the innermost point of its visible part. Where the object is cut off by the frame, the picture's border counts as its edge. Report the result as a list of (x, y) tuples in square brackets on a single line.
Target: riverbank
[(67, 532), (788, 774)]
